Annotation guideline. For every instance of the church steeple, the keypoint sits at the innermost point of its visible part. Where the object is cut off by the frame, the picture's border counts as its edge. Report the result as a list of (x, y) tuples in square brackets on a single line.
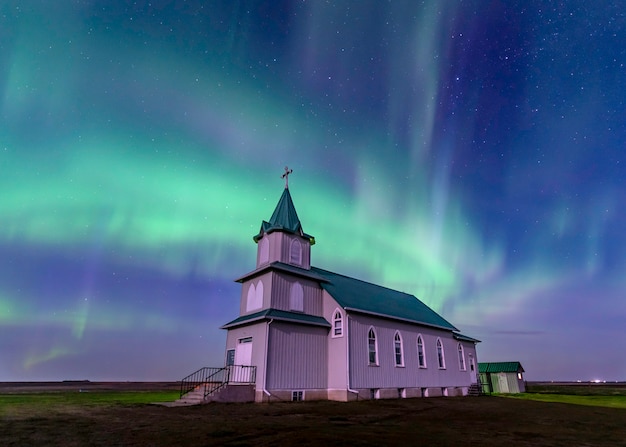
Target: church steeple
[(282, 239), (284, 218)]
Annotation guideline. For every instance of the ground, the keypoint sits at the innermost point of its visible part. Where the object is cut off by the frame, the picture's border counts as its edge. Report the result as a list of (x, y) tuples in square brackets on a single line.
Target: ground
[(104, 417)]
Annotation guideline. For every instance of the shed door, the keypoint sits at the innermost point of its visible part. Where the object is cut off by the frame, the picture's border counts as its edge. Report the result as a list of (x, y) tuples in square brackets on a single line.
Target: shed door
[(503, 384), (243, 358)]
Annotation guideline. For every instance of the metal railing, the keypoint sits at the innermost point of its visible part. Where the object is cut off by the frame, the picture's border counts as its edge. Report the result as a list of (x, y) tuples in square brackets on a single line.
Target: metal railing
[(212, 379)]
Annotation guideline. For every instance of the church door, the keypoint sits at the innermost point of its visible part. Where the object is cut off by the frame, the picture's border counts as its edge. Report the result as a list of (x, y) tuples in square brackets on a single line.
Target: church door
[(472, 368), (243, 359)]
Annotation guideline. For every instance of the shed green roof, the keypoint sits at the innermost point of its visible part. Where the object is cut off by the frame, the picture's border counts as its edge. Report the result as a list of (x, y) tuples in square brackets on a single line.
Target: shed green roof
[(284, 218), (360, 296), (496, 367), (281, 315)]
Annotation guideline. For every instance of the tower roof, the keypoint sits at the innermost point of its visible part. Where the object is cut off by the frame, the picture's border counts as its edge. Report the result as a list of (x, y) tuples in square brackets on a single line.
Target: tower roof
[(284, 218)]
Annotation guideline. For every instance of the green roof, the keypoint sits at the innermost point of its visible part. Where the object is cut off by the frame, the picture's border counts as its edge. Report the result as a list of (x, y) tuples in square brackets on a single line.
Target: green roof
[(285, 218), (281, 266), (360, 296), (275, 314), (496, 367)]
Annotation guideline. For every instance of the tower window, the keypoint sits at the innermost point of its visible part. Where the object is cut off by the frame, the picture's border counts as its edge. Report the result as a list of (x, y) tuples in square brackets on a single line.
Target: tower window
[(254, 299), (296, 297), (295, 252)]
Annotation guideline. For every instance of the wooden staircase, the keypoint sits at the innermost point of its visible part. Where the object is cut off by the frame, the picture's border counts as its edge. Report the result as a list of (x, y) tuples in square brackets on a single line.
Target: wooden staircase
[(475, 389), (234, 383)]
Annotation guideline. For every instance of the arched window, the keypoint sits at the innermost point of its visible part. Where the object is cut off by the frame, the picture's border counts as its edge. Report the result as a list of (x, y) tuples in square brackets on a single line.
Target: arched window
[(255, 297), (258, 296), (296, 297), (337, 324), (372, 347), (398, 350), (264, 251), (461, 358), (421, 356), (250, 298), (440, 355), (295, 252)]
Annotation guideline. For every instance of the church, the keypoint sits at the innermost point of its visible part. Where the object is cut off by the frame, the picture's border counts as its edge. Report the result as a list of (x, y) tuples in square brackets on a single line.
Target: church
[(305, 333)]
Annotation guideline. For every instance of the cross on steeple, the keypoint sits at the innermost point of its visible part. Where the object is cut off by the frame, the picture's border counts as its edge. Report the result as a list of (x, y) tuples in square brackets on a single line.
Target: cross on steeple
[(286, 176)]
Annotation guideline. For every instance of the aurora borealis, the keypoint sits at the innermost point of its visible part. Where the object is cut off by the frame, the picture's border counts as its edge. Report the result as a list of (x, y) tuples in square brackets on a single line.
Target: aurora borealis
[(468, 152)]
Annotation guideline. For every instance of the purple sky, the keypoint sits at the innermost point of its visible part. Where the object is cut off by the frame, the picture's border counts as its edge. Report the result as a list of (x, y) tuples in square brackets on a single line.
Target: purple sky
[(470, 153)]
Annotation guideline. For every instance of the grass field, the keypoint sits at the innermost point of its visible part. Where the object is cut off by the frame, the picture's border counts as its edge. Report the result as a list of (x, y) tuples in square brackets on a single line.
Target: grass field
[(107, 417), (594, 395)]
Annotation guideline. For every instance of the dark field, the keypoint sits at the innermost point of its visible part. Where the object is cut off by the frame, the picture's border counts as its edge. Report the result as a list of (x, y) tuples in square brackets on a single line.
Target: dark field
[(118, 415)]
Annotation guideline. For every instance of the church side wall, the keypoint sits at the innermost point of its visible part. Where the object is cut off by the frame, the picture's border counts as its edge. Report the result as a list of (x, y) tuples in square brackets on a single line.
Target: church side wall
[(386, 374), (297, 357)]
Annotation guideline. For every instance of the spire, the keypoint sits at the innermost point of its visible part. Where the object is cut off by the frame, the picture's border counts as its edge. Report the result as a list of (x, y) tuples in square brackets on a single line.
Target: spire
[(284, 218)]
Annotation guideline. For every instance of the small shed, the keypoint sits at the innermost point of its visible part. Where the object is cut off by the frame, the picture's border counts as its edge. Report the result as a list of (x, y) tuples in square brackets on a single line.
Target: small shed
[(502, 377)]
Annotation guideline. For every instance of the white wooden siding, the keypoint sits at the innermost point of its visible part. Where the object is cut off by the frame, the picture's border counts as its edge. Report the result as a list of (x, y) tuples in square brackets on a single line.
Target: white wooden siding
[(297, 358), (386, 374), (281, 286), (267, 293), (258, 333)]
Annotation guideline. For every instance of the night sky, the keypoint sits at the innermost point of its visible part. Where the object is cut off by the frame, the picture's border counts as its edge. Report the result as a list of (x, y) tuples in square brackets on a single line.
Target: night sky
[(471, 153)]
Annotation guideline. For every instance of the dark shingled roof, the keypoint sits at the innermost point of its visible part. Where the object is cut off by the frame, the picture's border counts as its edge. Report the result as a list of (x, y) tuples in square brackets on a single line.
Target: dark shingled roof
[(285, 218), (496, 367), (360, 296), (275, 314)]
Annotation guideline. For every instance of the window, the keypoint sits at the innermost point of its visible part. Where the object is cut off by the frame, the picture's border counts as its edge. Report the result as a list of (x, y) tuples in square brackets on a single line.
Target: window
[(337, 324), (374, 393), (372, 347), (230, 357), (461, 358), (401, 393), (297, 396), (255, 297), (440, 356), (264, 251), (397, 348), (295, 252), (296, 297), (421, 358)]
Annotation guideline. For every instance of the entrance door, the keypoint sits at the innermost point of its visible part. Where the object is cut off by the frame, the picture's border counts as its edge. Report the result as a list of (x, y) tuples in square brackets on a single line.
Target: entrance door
[(503, 383), (472, 367), (241, 372)]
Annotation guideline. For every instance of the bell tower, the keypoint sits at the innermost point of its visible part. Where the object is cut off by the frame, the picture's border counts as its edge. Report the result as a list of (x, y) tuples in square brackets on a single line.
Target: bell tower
[(282, 239)]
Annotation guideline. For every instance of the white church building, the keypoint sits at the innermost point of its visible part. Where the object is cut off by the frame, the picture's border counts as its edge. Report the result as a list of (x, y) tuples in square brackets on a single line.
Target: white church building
[(305, 333)]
